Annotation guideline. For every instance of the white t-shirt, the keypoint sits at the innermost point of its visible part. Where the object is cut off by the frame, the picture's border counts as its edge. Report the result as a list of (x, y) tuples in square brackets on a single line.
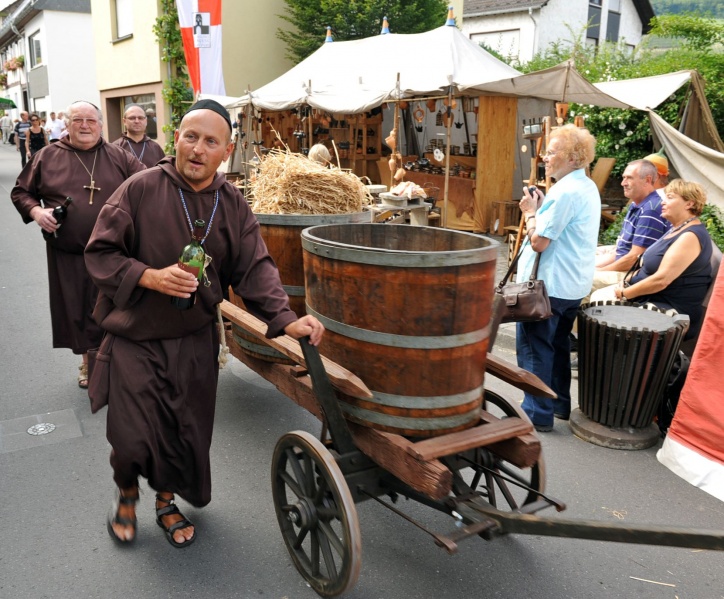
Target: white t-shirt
[(55, 128)]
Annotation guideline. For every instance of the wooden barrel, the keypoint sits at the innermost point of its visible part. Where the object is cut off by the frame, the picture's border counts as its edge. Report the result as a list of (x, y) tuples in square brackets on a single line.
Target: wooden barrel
[(407, 309), (282, 235)]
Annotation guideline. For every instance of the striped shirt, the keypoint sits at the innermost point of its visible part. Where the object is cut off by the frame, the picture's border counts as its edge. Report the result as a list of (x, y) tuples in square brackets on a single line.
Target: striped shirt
[(642, 226)]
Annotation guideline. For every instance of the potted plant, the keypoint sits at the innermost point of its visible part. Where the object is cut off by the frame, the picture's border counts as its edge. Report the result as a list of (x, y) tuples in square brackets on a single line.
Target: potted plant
[(4, 79), (20, 61)]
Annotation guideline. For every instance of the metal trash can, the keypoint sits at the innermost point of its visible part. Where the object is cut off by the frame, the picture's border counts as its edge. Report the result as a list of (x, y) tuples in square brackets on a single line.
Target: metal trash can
[(625, 355)]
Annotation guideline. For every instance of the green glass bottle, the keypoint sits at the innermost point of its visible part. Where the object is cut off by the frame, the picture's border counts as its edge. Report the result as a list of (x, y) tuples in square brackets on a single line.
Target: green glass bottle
[(192, 259)]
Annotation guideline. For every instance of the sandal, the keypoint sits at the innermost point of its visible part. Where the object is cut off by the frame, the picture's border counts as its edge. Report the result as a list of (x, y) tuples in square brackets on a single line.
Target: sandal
[(83, 376), (114, 518), (170, 509)]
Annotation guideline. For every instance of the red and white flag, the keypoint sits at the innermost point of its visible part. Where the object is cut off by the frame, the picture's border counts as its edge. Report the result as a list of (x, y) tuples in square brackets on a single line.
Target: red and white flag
[(200, 22)]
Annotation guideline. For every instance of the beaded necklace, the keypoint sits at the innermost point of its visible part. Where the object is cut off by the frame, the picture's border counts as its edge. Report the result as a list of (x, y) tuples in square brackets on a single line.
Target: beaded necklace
[(188, 218), (682, 225), (143, 149)]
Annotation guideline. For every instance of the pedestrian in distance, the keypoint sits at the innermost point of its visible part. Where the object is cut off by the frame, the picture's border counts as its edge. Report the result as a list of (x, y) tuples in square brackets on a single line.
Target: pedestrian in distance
[(21, 128), (36, 138), (135, 140), (87, 169), (6, 125), (55, 127), (164, 361)]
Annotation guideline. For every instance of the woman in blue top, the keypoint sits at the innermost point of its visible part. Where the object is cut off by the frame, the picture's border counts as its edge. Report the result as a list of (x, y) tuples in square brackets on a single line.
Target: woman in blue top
[(564, 228), (676, 270)]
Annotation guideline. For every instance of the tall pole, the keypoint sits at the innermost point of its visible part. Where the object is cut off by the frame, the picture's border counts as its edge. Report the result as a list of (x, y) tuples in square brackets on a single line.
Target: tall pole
[(448, 112)]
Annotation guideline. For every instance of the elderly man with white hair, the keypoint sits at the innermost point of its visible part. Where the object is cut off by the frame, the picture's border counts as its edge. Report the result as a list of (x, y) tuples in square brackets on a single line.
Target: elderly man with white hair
[(86, 168)]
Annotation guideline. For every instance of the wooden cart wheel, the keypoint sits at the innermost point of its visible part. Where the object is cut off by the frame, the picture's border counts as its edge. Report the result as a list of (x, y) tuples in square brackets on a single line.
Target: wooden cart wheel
[(493, 477), (316, 514)]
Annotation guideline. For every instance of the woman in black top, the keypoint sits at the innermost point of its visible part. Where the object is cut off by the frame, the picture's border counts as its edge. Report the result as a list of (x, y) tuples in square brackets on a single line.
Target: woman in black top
[(36, 137), (676, 270)]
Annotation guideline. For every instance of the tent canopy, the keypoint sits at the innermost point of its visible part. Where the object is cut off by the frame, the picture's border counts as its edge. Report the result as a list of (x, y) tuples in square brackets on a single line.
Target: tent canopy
[(7, 103), (355, 76)]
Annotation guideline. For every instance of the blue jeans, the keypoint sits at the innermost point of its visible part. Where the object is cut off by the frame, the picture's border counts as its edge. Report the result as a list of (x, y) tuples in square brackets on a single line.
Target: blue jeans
[(544, 349)]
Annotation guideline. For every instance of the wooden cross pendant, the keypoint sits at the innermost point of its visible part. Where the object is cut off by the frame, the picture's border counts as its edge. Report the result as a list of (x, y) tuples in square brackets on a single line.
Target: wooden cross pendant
[(92, 188)]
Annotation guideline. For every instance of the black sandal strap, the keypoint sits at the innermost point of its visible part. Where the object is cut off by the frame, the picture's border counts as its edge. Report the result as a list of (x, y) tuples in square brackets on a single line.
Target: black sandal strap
[(167, 511), (178, 525), (127, 500)]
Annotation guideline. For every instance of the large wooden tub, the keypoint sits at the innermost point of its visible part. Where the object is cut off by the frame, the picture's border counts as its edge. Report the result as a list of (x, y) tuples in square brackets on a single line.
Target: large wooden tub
[(407, 309)]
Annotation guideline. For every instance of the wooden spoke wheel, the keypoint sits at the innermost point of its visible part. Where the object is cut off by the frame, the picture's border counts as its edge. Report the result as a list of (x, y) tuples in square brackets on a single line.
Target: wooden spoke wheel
[(316, 514), (502, 484)]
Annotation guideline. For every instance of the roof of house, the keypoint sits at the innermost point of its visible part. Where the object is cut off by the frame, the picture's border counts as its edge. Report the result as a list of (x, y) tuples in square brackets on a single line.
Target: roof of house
[(480, 8)]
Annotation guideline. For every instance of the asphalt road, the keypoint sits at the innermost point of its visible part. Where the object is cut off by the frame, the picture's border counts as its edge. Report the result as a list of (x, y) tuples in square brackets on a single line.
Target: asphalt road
[(55, 491)]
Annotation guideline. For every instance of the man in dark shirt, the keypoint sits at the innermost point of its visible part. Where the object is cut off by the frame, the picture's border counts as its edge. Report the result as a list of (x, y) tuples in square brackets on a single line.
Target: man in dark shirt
[(21, 129)]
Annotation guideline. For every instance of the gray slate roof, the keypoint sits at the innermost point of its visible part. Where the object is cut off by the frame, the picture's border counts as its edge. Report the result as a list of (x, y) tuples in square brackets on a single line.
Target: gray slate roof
[(472, 8), (477, 8)]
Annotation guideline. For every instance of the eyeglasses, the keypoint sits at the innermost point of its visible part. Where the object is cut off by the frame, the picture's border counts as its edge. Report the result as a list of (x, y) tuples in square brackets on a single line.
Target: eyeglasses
[(80, 121), (31, 120), (549, 154)]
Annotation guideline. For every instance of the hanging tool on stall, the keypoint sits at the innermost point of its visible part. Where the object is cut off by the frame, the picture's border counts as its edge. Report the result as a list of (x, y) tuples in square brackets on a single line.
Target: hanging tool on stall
[(466, 105), (449, 104)]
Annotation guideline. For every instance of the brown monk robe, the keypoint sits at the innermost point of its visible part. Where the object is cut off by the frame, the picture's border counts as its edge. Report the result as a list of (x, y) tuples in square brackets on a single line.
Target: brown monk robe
[(163, 365), (146, 150), (52, 175), (135, 140)]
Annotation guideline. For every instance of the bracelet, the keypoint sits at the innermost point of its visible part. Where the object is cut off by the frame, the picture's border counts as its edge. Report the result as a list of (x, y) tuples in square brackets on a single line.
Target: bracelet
[(529, 233), (527, 219), (623, 297)]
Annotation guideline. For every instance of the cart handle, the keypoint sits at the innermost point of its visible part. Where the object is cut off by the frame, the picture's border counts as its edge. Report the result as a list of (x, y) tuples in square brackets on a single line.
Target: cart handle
[(322, 387)]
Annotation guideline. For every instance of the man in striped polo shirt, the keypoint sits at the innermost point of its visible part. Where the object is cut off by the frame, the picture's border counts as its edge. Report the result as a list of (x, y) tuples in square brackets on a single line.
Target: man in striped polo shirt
[(642, 226)]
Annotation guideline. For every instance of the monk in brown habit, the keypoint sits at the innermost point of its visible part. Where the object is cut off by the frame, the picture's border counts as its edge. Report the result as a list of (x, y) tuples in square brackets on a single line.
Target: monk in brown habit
[(84, 167), (164, 361), (135, 140)]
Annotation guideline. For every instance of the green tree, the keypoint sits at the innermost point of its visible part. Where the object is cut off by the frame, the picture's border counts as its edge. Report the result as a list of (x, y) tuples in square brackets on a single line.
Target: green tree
[(354, 19)]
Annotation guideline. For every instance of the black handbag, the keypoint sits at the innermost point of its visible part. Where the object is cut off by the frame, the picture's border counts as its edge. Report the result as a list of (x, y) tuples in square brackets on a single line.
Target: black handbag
[(99, 373), (527, 301)]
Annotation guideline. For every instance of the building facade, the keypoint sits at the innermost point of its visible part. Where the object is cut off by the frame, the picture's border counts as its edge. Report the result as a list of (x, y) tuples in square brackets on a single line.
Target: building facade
[(519, 29), (124, 38), (46, 52)]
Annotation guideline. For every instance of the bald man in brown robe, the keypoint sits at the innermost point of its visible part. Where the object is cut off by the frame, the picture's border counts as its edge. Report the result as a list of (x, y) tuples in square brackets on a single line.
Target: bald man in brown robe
[(164, 361), (86, 168), (135, 140)]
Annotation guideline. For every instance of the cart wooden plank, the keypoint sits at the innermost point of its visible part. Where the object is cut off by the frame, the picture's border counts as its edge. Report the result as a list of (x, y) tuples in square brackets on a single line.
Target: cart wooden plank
[(340, 377), (524, 380), (492, 430), (392, 452)]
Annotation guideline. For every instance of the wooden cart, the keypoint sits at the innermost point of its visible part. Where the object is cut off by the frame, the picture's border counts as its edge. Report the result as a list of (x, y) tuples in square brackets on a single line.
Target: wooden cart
[(489, 478)]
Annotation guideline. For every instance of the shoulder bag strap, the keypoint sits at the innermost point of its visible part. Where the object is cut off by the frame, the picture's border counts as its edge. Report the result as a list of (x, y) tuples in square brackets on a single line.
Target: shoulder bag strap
[(513, 264), (534, 272)]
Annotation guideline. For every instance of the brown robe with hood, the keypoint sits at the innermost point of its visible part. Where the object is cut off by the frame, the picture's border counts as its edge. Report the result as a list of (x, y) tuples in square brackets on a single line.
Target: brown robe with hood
[(52, 175), (146, 150), (164, 361)]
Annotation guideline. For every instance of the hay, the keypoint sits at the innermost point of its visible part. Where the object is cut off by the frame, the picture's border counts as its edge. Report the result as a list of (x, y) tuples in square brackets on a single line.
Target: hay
[(288, 183)]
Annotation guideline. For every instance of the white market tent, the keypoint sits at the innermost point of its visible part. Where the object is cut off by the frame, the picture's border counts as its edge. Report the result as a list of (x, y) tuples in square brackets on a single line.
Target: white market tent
[(358, 75)]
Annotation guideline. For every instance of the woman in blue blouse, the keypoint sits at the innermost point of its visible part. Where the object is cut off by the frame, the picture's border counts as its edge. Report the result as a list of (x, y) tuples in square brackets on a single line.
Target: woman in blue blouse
[(563, 227), (676, 270)]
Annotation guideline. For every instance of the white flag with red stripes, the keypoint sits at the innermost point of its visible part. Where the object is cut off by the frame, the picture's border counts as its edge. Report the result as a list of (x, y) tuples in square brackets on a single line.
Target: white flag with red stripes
[(200, 22)]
